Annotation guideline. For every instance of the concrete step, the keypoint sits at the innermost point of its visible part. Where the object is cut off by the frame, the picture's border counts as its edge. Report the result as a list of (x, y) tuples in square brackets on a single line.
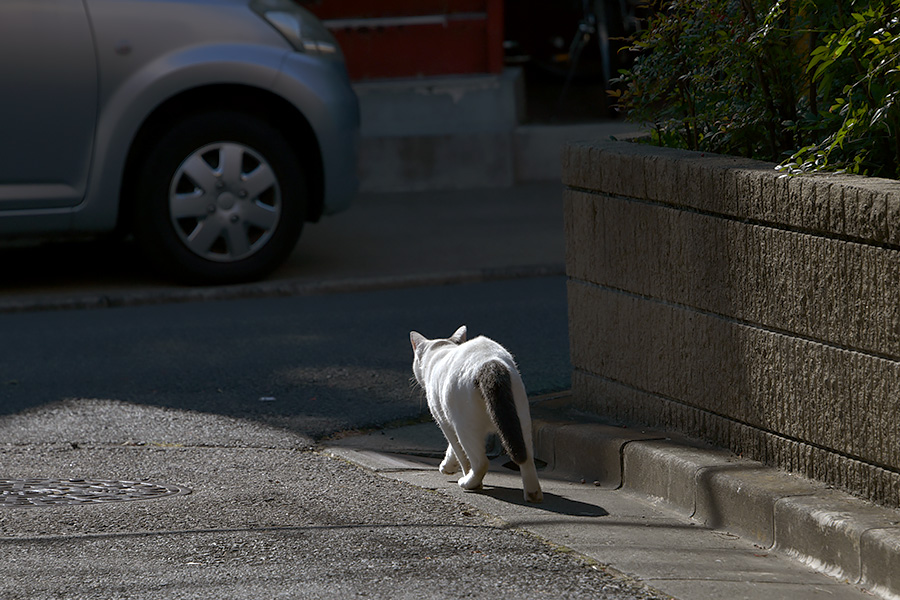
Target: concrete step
[(444, 133)]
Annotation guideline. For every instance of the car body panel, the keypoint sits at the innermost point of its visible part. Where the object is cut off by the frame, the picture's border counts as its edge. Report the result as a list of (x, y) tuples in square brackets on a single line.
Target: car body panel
[(335, 119), (139, 95), (49, 81), (148, 52)]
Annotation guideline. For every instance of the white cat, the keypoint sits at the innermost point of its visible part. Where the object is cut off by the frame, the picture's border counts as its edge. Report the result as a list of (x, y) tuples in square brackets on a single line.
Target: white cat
[(474, 389)]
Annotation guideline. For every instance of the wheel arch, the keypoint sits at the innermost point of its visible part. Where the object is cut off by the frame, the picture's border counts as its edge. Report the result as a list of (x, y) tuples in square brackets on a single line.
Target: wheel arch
[(264, 104)]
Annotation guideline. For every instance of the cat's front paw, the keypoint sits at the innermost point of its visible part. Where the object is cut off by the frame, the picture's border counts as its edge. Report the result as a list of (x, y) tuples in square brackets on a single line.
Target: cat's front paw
[(449, 467)]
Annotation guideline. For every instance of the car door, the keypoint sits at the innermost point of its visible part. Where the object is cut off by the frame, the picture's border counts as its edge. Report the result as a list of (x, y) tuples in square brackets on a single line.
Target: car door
[(48, 103)]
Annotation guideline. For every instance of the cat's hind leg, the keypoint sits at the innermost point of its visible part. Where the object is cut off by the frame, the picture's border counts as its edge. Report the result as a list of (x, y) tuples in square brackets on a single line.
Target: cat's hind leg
[(474, 448), (454, 458), (450, 464), (530, 484)]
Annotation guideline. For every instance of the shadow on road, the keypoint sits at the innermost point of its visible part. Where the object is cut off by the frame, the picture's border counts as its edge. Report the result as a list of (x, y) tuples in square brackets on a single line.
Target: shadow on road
[(552, 502), (79, 265)]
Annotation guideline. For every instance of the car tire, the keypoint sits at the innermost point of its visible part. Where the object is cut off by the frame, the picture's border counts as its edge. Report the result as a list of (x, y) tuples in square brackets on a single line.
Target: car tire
[(220, 198)]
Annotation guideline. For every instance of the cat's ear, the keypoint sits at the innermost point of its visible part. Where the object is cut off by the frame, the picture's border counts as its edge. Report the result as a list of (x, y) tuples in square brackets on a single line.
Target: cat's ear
[(459, 336), (416, 338)]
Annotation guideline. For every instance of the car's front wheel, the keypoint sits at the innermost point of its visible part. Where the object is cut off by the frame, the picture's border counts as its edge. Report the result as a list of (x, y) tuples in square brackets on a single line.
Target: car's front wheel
[(220, 199)]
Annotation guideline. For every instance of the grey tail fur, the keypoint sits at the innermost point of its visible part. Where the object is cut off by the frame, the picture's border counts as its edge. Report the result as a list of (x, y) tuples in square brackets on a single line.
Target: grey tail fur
[(493, 380)]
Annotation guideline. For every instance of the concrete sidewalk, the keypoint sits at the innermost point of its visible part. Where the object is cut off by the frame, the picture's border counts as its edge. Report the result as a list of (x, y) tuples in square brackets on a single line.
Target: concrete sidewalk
[(684, 518)]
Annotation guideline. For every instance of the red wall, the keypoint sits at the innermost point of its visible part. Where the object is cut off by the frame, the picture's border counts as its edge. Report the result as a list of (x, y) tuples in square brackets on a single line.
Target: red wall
[(411, 38)]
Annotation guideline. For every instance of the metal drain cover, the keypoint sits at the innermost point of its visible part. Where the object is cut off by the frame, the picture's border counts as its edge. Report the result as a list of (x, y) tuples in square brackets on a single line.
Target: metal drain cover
[(24, 493)]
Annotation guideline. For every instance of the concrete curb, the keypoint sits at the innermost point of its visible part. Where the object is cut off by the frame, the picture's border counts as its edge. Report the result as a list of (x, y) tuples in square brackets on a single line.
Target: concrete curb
[(834, 533), (267, 289)]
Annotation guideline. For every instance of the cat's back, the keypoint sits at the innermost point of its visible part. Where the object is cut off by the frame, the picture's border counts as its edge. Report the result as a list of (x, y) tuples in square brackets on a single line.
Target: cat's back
[(473, 354), (458, 368)]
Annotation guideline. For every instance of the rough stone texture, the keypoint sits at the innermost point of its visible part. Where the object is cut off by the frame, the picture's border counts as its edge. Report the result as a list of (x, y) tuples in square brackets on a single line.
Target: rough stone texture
[(717, 297), (839, 292), (802, 389)]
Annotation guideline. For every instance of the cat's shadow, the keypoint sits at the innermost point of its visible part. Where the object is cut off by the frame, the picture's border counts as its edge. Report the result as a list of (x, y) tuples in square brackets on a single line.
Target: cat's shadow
[(552, 502)]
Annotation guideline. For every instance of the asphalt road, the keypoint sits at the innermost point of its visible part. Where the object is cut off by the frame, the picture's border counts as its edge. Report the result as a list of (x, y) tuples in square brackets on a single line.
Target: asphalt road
[(410, 236), (314, 364), (230, 399), (272, 523), (224, 399)]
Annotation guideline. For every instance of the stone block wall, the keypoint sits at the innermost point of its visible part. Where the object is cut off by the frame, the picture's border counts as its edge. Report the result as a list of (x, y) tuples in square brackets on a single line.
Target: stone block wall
[(714, 296)]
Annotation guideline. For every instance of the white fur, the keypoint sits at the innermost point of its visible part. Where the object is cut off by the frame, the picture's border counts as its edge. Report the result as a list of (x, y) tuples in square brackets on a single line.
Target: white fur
[(447, 369)]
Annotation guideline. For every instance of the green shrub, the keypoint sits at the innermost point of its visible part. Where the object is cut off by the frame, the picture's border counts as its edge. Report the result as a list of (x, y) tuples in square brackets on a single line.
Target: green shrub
[(812, 84)]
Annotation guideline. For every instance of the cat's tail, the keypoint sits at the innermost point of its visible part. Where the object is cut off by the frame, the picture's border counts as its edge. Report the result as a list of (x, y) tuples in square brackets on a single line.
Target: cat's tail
[(493, 379)]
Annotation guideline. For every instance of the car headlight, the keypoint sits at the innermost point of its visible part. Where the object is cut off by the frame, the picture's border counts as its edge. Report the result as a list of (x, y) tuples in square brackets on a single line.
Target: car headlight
[(300, 27)]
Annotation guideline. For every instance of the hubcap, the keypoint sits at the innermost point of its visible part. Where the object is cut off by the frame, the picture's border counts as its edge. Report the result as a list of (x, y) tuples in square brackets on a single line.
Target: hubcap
[(225, 202)]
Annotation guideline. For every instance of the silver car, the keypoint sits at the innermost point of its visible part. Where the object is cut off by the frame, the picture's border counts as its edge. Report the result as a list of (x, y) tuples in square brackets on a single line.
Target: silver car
[(210, 129)]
